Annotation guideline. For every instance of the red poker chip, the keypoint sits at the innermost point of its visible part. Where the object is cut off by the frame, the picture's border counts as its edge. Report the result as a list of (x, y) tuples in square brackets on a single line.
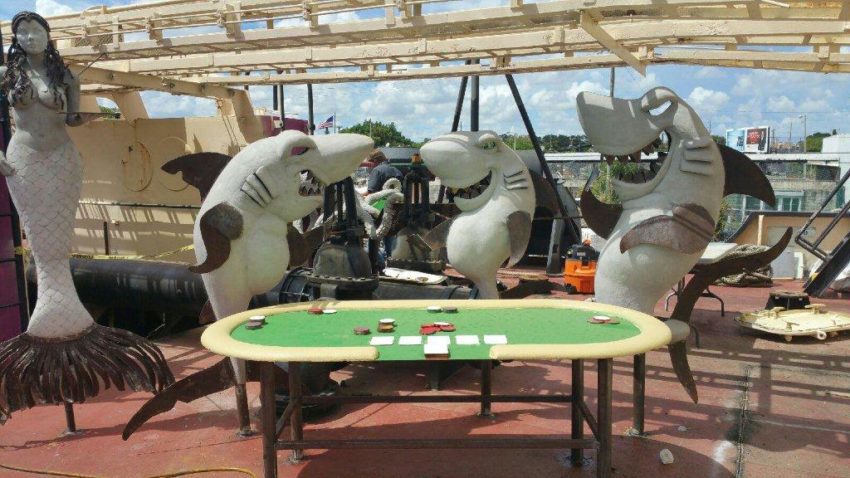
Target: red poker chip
[(448, 328), (429, 329), (315, 310)]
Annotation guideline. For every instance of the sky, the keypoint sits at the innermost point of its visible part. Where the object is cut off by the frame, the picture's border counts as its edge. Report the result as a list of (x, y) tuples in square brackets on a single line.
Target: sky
[(723, 97)]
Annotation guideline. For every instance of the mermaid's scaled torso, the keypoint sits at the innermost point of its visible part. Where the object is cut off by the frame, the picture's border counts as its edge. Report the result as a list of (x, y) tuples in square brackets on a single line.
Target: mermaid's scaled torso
[(46, 188)]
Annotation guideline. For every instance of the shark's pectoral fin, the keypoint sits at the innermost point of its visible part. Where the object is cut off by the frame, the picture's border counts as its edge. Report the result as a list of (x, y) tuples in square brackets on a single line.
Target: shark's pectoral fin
[(600, 217), (519, 231), (298, 249), (744, 177), (314, 237), (688, 230), (544, 194), (220, 225), (436, 237), (679, 358)]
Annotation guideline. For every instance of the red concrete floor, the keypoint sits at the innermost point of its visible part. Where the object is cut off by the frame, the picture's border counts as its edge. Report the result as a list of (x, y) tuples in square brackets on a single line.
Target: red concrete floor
[(767, 409)]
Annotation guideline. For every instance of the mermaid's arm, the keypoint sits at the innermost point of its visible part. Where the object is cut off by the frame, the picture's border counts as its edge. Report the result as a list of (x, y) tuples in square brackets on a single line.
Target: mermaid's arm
[(72, 93)]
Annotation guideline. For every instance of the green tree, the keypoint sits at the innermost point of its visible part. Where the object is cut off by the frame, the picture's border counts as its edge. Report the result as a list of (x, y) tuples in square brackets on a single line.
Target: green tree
[(517, 142), (383, 134), (814, 142), (602, 187), (113, 112), (719, 139)]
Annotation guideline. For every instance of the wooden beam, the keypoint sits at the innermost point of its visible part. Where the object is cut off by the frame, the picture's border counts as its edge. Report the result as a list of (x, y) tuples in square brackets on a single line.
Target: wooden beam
[(590, 26), (530, 66), (153, 83)]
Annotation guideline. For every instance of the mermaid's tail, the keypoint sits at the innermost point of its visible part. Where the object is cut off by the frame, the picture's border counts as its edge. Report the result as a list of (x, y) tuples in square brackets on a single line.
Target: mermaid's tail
[(37, 371), (64, 356)]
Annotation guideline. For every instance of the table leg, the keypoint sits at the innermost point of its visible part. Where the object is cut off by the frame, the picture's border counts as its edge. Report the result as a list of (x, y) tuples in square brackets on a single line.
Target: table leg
[(576, 455), (242, 410), (639, 393), (268, 425), (603, 417), (486, 388), (296, 421)]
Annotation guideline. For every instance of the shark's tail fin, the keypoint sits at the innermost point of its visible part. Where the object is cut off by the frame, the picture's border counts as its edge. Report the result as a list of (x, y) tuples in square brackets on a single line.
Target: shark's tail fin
[(688, 298)]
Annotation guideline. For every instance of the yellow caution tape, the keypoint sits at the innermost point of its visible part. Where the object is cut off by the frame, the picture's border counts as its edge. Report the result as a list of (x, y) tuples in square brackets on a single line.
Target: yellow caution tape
[(19, 251)]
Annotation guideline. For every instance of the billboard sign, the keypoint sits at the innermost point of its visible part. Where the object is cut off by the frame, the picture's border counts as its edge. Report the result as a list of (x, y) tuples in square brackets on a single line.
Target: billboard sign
[(749, 140), (735, 138)]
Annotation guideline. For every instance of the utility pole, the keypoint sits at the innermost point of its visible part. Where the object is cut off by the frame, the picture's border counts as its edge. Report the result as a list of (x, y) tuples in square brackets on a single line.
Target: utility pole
[(805, 134), (790, 141)]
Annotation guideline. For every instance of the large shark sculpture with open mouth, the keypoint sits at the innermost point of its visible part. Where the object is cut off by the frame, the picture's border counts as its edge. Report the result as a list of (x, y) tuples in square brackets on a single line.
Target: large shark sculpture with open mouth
[(667, 214), (243, 236), (495, 194)]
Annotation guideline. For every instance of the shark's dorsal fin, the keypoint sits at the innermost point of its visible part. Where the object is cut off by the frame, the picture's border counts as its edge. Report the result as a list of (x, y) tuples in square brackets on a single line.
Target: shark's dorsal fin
[(688, 230), (519, 231), (436, 237), (599, 216), (544, 194), (744, 177), (198, 169), (220, 225)]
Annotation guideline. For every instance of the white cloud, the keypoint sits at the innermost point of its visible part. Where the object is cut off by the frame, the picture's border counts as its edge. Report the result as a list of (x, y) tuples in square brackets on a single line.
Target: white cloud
[(49, 8), (165, 105), (780, 103), (704, 99)]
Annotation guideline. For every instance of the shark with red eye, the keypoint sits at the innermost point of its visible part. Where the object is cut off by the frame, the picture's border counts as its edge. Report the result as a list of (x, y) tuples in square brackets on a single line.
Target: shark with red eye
[(668, 214), (495, 194), (242, 228)]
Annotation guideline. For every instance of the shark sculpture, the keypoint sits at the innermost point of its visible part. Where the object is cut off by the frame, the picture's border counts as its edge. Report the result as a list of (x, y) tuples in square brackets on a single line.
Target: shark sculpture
[(243, 237), (496, 196), (667, 214)]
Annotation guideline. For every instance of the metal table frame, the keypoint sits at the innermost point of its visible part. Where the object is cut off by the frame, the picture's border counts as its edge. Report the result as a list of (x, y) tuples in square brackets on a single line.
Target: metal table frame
[(600, 426)]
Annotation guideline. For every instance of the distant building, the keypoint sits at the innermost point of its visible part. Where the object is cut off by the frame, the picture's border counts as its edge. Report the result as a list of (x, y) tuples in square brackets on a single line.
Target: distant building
[(801, 181)]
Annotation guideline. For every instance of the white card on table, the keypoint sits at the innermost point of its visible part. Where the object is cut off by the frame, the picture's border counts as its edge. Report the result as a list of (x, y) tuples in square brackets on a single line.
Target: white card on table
[(436, 348), (467, 340), (410, 340), (495, 339), (439, 339), (382, 340)]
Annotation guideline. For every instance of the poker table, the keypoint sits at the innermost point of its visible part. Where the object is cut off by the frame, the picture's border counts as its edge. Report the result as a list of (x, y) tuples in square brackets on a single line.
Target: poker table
[(540, 329)]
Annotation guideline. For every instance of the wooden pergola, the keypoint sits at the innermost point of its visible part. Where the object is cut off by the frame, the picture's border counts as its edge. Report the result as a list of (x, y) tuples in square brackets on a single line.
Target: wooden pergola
[(204, 48)]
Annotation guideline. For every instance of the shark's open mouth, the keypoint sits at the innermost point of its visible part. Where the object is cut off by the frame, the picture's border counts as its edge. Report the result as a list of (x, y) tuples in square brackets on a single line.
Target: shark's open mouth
[(310, 184), (473, 190), (631, 169)]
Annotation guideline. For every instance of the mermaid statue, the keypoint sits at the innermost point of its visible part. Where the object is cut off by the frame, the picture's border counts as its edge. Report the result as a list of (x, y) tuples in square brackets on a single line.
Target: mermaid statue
[(64, 356)]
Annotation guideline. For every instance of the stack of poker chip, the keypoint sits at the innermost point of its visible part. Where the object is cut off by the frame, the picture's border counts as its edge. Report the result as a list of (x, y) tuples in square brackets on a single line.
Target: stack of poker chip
[(386, 325), (255, 322)]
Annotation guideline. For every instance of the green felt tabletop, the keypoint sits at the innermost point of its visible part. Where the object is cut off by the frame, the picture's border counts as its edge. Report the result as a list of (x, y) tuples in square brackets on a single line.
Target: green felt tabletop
[(520, 325)]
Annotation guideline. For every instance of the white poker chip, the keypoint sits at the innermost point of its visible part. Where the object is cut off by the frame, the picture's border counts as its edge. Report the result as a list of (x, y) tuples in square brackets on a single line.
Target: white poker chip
[(441, 324), (434, 308), (329, 311), (601, 318), (257, 317), (387, 321)]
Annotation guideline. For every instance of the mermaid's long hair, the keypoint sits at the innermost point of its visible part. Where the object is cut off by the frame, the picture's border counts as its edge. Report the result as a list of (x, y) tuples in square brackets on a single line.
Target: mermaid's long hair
[(16, 81)]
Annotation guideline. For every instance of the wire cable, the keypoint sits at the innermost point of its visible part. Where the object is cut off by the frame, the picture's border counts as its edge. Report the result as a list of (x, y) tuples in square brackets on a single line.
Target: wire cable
[(175, 474)]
